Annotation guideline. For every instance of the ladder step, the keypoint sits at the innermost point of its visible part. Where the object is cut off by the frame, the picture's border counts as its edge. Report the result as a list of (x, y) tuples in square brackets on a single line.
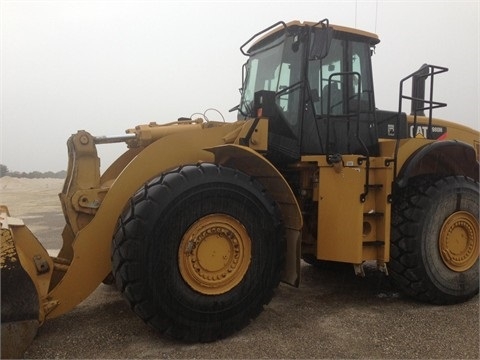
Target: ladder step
[(373, 214), (374, 243), (375, 186)]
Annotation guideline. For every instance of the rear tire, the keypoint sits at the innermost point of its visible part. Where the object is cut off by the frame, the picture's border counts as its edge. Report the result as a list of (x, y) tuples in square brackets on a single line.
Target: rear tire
[(435, 240), (199, 251)]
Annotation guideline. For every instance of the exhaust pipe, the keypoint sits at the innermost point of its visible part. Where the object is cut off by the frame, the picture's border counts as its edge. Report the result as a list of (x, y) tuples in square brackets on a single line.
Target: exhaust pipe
[(418, 90)]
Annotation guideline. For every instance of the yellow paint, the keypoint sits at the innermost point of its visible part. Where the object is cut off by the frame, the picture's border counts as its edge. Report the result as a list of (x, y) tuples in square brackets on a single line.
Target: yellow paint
[(214, 254)]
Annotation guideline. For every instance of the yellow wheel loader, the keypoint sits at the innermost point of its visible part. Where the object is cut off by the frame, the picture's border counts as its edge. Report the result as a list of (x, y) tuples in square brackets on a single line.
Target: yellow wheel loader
[(198, 221)]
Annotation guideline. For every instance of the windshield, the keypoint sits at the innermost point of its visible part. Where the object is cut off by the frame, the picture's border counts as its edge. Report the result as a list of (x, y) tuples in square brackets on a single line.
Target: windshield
[(263, 72), (276, 67)]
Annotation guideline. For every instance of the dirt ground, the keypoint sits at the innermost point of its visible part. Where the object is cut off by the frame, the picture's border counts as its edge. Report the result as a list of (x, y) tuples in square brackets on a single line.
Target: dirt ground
[(333, 314)]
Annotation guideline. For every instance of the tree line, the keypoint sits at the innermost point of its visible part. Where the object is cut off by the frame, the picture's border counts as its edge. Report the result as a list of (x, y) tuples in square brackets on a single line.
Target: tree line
[(4, 171)]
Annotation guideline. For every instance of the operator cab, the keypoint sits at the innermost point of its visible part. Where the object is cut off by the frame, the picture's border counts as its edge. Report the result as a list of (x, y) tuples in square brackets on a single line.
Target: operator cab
[(314, 83)]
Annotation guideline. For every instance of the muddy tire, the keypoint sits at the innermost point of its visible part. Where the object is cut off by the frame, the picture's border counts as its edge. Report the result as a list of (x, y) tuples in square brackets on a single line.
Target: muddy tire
[(199, 251), (435, 240)]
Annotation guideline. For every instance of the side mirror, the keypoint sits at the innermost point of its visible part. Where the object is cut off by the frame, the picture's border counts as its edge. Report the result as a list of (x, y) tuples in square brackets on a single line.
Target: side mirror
[(321, 40)]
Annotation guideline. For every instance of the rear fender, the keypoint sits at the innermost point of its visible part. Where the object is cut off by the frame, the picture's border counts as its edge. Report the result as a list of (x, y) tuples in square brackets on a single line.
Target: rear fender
[(252, 163), (440, 158), (92, 245)]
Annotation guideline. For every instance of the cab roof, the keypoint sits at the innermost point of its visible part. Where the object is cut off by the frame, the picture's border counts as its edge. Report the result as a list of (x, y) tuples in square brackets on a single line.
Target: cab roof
[(371, 37)]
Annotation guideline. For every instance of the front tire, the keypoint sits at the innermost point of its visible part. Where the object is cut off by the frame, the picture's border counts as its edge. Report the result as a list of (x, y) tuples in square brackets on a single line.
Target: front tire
[(435, 240), (199, 251)]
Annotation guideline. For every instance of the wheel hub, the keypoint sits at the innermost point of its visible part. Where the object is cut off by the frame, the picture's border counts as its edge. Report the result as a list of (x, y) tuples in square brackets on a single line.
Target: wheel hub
[(214, 254), (458, 241)]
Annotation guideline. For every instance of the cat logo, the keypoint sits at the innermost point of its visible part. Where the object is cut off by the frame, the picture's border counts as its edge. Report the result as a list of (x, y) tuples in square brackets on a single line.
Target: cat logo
[(419, 135), (421, 132)]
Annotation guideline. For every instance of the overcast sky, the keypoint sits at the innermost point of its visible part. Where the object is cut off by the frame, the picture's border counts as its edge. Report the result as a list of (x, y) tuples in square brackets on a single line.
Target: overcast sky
[(105, 66)]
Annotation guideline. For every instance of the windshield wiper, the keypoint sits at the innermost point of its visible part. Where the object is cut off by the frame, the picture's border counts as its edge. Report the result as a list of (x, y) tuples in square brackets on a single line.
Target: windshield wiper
[(239, 109)]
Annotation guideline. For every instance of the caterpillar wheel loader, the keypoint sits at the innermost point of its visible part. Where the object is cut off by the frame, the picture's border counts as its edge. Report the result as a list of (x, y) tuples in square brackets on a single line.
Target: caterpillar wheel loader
[(198, 221)]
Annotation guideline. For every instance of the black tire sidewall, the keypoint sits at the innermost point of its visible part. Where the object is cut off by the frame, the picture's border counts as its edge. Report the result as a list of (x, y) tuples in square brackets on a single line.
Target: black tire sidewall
[(180, 294), (446, 197), (175, 202)]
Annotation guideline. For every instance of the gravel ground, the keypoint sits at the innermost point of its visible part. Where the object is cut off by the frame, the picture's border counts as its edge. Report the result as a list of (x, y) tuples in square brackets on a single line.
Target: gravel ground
[(333, 314)]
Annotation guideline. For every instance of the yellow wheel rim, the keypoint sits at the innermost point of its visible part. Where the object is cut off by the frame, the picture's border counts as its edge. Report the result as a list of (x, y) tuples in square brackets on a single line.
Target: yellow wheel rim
[(458, 241), (214, 254)]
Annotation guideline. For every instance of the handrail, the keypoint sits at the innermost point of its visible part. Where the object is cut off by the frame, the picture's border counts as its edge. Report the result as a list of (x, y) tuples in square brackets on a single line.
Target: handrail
[(418, 83), (419, 103), (260, 33)]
